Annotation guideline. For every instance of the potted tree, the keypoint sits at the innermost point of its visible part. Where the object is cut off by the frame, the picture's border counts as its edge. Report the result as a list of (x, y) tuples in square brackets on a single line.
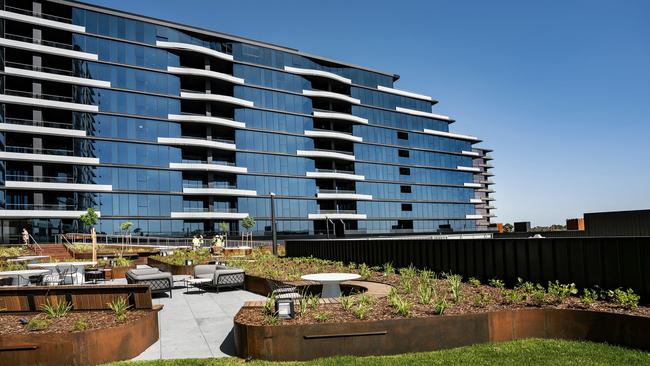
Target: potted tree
[(125, 227), (248, 223), (90, 218)]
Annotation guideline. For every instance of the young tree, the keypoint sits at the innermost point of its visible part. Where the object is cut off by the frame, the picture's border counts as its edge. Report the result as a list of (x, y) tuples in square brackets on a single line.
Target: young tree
[(125, 227), (248, 223), (90, 219), (508, 228), (224, 227)]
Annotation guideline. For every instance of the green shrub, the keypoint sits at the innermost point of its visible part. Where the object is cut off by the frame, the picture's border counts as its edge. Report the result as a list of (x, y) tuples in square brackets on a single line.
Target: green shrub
[(497, 283), (454, 286), (588, 296), (388, 269), (512, 296), (560, 292), (79, 325), (409, 272), (56, 309), (402, 305), (322, 316), (538, 295), (627, 299), (361, 310), (474, 281), (269, 306), (440, 306), (179, 256), (346, 302), (313, 301), (406, 284), (426, 293), (364, 271), (119, 307), (37, 323), (271, 319), (481, 299)]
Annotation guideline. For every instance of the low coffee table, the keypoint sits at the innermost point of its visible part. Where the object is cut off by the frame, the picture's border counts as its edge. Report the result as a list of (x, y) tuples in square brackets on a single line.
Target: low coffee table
[(196, 283), (331, 281)]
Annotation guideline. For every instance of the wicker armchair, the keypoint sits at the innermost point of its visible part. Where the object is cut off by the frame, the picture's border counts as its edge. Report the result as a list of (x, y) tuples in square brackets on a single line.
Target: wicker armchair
[(222, 276)]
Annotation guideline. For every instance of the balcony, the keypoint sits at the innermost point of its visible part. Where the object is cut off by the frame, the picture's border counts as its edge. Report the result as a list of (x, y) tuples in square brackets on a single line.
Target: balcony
[(45, 100), (328, 154), (451, 135), (207, 97), (424, 114), (189, 71), (340, 194), (404, 93), (194, 48), (49, 47), (335, 174), (200, 118), (476, 200), (468, 169), (472, 185), (66, 184), (203, 213), (329, 134), (330, 95), (339, 116), (471, 153), (20, 153), (219, 191), (20, 211), (337, 214), (52, 74), (40, 19), (40, 127), (318, 73), (202, 165), (198, 142)]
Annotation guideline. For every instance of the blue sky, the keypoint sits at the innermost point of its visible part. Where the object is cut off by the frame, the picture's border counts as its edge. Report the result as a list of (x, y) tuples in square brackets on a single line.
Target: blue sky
[(559, 89)]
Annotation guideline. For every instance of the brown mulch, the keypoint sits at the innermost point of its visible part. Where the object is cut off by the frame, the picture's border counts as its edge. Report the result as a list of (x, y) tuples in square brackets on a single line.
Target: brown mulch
[(98, 319)]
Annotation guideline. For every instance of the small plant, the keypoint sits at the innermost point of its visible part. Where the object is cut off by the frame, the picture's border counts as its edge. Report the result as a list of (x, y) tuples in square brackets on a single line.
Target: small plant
[(454, 286), (361, 311), (497, 283), (474, 281), (313, 301), (364, 271), (589, 296), (269, 305), (322, 316), (481, 299), (37, 323), (402, 305), (440, 306), (409, 272), (388, 269), (302, 305), (627, 299), (271, 319), (58, 309), (560, 292), (352, 266), (406, 284), (80, 325), (512, 296), (119, 307), (346, 302), (538, 295), (425, 276), (524, 287), (426, 293)]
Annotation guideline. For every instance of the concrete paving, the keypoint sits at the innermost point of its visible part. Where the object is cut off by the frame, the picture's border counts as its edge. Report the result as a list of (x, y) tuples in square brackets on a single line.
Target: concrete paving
[(194, 325)]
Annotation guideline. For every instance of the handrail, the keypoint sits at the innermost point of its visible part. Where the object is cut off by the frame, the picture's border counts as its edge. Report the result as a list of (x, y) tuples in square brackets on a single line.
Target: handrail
[(336, 151), (23, 93), (50, 70), (205, 139), (31, 150), (199, 161), (35, 247), (39, 41), (334, 171), (31, 178), (38, 15), (20, 121), (328, 130), (31, 206)]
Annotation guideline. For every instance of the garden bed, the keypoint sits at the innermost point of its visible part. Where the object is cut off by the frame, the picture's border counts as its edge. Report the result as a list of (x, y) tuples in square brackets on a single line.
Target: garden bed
[(175, 263)]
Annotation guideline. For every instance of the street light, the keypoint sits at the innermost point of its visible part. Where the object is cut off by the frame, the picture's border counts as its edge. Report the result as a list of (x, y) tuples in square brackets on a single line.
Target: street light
[(273, 228)]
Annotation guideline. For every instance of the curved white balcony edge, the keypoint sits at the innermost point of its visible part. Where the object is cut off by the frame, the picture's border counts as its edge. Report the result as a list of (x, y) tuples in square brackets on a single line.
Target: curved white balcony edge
[(340, 116), (331, 95), (196, 142), (475, 200), (41, 130), (206, 119), (424, 114), (342, 216), (60, 186), (48, 158), (217, 98), (42, 22), (404, 93), (320, 73), (208, 167), (325, 154), (57, 77), (488, 199), (208, 215), (472, 185), (333, 135), (468, 168), (206, 73), (333, 175), (219, 191), (473, 217), (48, 49), (194, 48), (49, 103), (19, 214), (470, 153), (451, 135), (344, 196)]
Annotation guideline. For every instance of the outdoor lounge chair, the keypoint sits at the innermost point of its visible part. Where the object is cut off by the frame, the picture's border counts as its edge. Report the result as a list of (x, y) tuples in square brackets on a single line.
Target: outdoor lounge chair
[(281, 290), (222, 276), (158, 281)]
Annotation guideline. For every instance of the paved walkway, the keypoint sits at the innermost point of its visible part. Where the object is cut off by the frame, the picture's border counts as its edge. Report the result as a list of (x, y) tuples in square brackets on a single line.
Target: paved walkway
[(197, 325)]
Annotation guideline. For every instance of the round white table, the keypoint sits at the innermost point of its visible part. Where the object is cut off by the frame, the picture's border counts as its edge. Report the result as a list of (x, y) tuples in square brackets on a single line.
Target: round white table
[(28, 258), (18, 276), (331, 282), (79, 276)]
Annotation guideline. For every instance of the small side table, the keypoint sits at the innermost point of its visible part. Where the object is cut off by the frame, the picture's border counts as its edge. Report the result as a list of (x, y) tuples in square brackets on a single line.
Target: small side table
[(196, 283)]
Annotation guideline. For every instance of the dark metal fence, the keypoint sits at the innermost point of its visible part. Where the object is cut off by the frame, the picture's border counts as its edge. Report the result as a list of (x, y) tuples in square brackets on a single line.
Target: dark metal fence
[(608, 262)]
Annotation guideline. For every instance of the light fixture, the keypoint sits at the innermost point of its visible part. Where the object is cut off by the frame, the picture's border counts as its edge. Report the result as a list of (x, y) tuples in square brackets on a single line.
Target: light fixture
[(188, 262), (105, 258), (284, 308)]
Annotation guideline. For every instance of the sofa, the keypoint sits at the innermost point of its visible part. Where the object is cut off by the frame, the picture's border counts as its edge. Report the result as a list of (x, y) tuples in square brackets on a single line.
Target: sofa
[(159, 282), (221, 276)]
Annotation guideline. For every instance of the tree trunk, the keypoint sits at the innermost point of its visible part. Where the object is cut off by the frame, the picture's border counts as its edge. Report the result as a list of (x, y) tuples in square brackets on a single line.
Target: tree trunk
[(93, 236)]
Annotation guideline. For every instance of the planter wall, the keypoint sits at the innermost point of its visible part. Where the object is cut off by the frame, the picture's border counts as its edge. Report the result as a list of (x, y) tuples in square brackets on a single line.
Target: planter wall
[(90, 347), (305, 342), (120, 272), (173, 269)]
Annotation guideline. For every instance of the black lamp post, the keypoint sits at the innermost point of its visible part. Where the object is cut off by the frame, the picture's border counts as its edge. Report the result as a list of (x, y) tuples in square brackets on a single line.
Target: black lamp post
[(273, 228)]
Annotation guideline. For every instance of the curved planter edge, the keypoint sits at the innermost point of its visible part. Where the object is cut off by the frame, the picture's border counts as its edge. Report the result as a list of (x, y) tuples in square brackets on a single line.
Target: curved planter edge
[(91, 347), (395, 336)]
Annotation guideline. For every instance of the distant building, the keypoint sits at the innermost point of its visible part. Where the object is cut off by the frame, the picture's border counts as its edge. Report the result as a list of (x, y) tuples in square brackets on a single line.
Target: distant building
[(522, 227), (483, 195), (618, 223), (575, 224)]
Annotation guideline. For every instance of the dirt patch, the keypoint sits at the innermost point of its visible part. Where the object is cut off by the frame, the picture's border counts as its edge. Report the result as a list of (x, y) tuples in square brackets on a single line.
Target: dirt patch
[(10, 323)]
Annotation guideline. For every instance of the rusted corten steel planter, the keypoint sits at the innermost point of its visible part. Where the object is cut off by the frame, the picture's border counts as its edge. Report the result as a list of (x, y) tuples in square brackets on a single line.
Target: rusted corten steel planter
[(91, 347), (305, 342), (173, 269), (260, 286)]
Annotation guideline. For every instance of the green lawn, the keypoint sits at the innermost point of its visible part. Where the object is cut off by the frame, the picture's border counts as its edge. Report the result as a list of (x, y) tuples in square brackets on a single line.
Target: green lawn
[(525, 352)]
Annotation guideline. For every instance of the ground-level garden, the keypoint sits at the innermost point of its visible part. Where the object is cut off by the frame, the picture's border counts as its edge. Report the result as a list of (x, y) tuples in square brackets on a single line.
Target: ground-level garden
[(524, 352)]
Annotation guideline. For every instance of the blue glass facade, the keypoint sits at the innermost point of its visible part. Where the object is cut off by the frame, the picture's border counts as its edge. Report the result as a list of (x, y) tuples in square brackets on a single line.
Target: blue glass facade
[(192, 128)]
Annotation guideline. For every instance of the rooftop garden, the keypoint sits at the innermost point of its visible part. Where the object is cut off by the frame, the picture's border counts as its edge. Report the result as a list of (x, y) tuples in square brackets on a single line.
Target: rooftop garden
[(11, 252), (180, 256), (108, 249)]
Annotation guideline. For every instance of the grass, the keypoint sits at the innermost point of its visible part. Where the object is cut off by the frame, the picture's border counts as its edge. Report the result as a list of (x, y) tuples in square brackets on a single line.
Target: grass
[(523, 352)]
